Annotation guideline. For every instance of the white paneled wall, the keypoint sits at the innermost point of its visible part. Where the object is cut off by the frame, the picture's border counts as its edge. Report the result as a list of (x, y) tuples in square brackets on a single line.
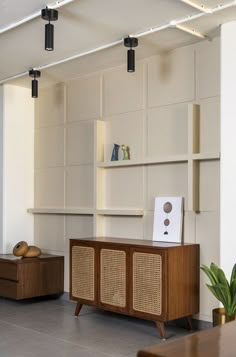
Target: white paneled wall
[(122, 93), (228, 144), (208, 70), (83, 99), (125, 128), (171, 134), (171, 77), (148, 111), (16, 166)]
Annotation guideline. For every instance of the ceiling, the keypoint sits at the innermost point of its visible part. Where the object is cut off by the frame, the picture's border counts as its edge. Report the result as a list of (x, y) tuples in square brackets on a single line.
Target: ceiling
[(87, 24)]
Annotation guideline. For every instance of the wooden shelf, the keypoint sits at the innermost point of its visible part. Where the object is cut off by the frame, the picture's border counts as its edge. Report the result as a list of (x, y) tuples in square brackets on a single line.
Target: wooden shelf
[(52, 210), (120, 212)]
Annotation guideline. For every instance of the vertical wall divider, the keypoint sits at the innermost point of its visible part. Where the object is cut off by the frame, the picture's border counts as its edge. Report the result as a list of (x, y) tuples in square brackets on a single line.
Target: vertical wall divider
[(193, 148), (145, 137), (99, 191)]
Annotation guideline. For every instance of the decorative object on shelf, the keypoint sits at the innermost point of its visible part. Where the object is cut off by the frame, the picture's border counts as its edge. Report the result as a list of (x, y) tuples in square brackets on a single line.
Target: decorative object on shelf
[(115, 151), (22, 249), (34, 74), (224, 291), (49, 15), (130, 42), (126, 153), (168, 218)]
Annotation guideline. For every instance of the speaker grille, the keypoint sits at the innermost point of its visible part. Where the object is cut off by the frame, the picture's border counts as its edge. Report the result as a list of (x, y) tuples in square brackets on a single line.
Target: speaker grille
[(113, 277), (147, 283), (83, 272)]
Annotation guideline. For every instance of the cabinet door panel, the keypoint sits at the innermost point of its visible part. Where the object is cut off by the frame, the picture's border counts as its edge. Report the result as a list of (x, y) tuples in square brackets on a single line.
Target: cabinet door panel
[(113, 264), (83, 276), (148, 287)]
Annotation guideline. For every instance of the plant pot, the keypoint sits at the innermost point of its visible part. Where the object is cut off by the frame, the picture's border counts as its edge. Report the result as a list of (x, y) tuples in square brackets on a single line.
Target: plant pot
[(220, 317)]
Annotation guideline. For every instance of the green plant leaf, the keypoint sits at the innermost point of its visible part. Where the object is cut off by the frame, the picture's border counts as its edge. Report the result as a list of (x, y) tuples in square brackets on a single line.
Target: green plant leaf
[(224, 291), (222, 279), (209, 273), (222, 294), (233, 288), (215, 271), (233, 306), (214, 292), (233, 275)]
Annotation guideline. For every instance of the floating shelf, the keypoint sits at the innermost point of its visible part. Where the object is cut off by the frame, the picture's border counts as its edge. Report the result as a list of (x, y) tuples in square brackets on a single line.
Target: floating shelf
[(150, 161), (120, 212), (206, 156), (51, 210), (87, 211), (160, 160)]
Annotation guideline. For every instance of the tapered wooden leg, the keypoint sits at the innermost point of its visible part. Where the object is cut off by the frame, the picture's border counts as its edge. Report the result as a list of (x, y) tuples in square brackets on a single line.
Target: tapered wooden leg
[(78, 308), (189, 322), (161, 328)]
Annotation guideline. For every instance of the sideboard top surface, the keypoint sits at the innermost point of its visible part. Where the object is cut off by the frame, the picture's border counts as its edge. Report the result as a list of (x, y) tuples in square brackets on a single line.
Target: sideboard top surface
[(12, 258), (136, 242)]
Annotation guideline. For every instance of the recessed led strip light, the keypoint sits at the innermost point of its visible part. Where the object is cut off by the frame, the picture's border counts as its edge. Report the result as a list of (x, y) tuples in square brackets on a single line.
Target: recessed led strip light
[(54, 5), (173, 23), (192, 32), (197, 6)]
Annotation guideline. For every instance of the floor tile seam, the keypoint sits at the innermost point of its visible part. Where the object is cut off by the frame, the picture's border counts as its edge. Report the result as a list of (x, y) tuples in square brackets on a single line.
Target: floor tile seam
[(93, 349), (59, 339), (52, 310), (32, 330)]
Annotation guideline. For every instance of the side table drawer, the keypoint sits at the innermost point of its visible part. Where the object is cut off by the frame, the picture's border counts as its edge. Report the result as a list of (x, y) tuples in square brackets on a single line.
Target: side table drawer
[(8, 271), (9, 289)]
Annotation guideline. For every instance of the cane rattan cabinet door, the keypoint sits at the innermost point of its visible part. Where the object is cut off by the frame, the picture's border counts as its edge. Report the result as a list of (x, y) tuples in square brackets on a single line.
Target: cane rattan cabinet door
[(113, 274), (83, 273), (148, 286)]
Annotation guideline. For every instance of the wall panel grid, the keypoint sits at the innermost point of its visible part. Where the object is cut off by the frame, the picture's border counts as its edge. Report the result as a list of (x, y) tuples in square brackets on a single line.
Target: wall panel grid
[(174, 146), (166, 140)]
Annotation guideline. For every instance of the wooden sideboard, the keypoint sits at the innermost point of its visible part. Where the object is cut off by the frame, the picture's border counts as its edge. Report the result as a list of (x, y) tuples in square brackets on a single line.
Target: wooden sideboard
[(151, 280)]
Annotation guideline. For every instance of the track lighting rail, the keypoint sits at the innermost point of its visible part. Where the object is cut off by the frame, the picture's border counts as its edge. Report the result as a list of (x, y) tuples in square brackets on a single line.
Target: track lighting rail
[(54, 5), (174, 23)]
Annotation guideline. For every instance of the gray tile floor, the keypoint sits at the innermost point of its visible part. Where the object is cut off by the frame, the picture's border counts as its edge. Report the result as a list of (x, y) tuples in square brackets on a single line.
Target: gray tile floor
[(47, 328)]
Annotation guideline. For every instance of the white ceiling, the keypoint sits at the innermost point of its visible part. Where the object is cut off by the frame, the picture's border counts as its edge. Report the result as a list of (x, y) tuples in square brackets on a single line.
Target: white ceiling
[(87, 24)]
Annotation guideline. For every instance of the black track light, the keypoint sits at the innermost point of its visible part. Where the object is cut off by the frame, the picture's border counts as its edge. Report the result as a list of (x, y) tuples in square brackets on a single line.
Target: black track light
[(49, 15), (34, 74), (131, 42)]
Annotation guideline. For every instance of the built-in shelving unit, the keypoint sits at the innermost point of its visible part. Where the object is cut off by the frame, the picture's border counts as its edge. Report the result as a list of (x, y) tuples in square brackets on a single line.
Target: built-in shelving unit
[(147, 161), (206, 156), (110, 199), (88, 211), (192, 158), (120, 212)]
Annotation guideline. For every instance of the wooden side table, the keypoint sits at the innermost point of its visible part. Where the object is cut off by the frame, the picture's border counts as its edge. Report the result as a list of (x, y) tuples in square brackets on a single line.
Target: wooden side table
[(31, 277)]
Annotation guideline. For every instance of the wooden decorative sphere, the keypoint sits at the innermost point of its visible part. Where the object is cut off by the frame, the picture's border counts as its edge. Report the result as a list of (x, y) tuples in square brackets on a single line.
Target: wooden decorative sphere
[(20, 249)]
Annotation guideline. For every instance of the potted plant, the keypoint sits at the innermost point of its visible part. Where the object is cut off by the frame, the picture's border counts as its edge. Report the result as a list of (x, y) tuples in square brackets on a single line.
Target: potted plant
[(224, 291)]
